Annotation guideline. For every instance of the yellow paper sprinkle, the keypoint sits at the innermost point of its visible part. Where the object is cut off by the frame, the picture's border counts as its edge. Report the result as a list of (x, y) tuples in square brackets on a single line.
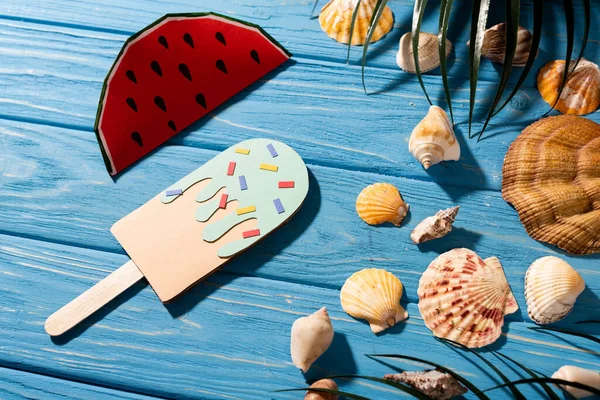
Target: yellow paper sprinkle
[(245, 210), (242, 151), (269, 167)]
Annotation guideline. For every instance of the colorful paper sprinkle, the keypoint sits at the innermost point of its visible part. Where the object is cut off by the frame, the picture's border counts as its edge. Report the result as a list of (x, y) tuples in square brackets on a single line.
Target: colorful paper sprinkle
[(245, 210), (269, 167), (173, 192), (278, 206), (242, 151), (286, 184), (272, 150), (252, 233), (243, 184), (223, 202), (231, 168)]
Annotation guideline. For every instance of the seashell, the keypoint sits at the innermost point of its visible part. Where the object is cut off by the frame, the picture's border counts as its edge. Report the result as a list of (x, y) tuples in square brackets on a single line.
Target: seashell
[(310, 337), (322, 384), (374, 294), (579, 375), (464, 298), (336, 17), (494, 45), (433, 140), (550, 175), (434, 227), (581, 94), (436, 384), (429, 56), (379, 203), (551, 288)]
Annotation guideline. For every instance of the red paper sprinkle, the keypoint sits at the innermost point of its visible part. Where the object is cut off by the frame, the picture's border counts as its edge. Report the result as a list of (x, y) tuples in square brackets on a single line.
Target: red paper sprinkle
[(231, 168), (223, 202), (252, 233), (286, 184)]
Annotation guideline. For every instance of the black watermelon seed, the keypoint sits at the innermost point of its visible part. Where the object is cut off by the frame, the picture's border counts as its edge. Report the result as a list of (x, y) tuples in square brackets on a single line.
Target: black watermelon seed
[(160, 103), (221, 66), (156, 68), (221, 38), (131, 103), (163, 40), (201, 100), (188, 39), (185, 71), (137, 138), (172, 126), (254, 55), (131, 76)]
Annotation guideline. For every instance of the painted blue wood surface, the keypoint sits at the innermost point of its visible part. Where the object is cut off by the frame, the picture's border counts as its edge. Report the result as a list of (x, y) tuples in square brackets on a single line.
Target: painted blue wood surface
[(229, 336)]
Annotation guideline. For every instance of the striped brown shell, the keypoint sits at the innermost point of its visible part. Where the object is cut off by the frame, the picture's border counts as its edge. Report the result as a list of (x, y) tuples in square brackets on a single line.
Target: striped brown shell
[(464, 298), (551, 175)]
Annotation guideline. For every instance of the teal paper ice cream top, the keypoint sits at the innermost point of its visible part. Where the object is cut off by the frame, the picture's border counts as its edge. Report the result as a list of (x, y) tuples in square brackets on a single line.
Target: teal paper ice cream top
[(267, 178)]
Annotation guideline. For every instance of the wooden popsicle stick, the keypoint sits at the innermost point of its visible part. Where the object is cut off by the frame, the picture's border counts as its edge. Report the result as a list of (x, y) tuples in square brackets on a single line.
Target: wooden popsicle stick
[(93, 299)]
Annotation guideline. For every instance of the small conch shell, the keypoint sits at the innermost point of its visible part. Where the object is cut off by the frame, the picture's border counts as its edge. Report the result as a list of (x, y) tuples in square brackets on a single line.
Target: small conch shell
[(310, 337), (380, 203), (581, 94), (336, 17), (494, 45), (435, 384), (551, 288), (433, 139), (429, 56), (374, 294), (579, 375), (464, 298), (435, 227), (322, 384)]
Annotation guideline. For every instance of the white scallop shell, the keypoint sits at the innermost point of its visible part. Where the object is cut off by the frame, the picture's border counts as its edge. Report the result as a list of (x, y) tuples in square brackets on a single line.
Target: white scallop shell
[(433, 140), (429, 56)]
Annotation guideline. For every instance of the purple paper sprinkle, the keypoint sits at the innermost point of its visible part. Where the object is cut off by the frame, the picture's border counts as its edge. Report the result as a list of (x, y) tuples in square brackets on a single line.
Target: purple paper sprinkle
[(278, 206), (243, 184), (173, 192), (272, 150)]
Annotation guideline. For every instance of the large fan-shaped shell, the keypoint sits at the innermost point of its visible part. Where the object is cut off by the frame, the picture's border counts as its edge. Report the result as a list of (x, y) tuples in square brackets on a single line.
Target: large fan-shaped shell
[(464, 298), (433, 140), (581, 94), (551, 288), (429, 56), (551, 175), (494, 45), (374, 294), (336, 18), (380, 203)]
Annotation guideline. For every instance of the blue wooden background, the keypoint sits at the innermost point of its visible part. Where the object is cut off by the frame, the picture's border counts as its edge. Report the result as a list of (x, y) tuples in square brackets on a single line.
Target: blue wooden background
[(229, 336)]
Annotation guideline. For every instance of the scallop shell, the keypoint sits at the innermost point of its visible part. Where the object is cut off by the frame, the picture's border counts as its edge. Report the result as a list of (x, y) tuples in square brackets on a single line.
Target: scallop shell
[(374, 294), (464, 298), (433, 140), (551, 288), (336, 17), (551, 175), (435, 227), (581, 94), (494, 45), (429, 56), (322, 384), (380, 203)]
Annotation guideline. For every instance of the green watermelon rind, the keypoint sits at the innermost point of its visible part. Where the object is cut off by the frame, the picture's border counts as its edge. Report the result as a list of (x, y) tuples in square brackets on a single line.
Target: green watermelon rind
[(135, 36)]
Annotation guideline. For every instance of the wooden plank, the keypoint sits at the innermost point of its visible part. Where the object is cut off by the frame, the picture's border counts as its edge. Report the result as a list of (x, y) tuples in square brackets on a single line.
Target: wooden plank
[(15, 384), (205, 345)]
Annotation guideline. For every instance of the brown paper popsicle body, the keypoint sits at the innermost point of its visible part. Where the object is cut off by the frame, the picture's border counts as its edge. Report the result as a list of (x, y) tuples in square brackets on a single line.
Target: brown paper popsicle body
[(197, 224)]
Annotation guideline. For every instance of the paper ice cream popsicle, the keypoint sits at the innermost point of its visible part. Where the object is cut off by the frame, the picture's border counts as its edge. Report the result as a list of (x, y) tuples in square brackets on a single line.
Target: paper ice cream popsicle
[(194, 226)]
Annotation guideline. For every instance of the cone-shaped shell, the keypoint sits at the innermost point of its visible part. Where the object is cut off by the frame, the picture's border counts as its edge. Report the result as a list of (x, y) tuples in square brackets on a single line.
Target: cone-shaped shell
[(374, 294), (322, 384), (380, 203), (581, 94), (464, 298), (580, 375), (310, 337), (494, 45), (336, 18), (433, 140), (429, 56), (551, 288), (434, 227), (551, 175)]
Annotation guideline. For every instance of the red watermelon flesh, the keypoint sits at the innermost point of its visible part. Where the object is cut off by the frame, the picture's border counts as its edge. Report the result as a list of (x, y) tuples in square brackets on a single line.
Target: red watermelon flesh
[(174, 72)]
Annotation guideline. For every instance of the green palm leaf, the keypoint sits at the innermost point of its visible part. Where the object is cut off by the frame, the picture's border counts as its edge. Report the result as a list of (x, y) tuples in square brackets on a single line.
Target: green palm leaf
[(549, 380), (478, 21), (445, 9), (570, 19), (377, 12), (352, 23), (312, 12), (330, 391), (566, 331), (416, 30), (406, 389), (589, 321)]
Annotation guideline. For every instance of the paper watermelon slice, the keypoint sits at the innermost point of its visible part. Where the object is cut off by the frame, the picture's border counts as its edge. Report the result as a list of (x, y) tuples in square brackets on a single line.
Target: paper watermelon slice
[(174, 72)]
